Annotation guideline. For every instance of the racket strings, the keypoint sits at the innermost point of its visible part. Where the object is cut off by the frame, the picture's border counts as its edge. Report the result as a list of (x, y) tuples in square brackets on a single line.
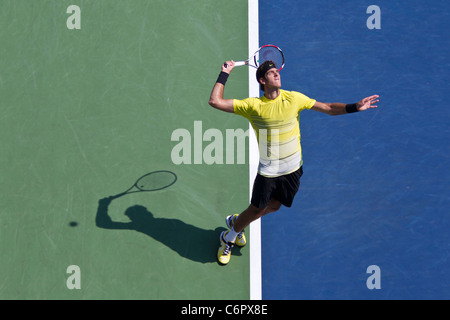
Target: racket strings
[(156, 181), (273, 54)]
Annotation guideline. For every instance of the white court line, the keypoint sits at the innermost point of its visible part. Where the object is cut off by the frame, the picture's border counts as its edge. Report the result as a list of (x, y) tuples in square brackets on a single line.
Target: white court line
[(253, 91)]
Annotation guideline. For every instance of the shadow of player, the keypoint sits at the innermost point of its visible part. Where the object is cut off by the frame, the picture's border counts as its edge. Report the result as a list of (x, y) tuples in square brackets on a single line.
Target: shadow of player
[(188, 241)]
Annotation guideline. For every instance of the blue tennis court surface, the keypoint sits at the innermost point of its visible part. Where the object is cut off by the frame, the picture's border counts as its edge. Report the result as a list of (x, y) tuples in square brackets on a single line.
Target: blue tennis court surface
[(375, 189)]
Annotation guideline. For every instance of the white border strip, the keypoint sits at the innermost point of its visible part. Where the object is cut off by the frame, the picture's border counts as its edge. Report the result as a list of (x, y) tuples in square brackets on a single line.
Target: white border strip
[(253, 90)]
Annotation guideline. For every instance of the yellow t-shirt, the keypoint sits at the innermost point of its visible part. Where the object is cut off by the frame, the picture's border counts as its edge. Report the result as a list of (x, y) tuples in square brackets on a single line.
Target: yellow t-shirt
[(276, 124)]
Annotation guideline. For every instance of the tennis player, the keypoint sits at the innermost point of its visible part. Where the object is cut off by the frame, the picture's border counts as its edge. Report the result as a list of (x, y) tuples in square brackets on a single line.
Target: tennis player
[(275, 119)]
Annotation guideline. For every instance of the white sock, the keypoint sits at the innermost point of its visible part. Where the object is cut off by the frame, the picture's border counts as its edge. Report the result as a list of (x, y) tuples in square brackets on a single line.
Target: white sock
[(231, 235)]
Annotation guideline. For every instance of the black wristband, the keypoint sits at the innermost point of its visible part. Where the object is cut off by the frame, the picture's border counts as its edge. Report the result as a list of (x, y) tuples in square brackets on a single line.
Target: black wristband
[(350, 108), (223, 77)]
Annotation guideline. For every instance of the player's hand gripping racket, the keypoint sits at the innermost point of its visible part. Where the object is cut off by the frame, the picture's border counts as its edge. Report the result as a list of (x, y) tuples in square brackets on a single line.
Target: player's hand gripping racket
[(152, 181), (269, 52)]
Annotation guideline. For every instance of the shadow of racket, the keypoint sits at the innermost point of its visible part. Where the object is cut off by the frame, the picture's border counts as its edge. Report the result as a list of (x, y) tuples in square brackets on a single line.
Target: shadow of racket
[(153, 181)]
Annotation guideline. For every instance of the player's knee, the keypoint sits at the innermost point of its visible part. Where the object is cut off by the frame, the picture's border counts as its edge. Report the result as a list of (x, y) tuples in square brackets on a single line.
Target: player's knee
[(273, 206), (257, 212)]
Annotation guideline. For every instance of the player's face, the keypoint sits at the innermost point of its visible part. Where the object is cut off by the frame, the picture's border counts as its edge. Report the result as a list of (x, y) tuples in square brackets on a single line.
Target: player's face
[(273, 78)]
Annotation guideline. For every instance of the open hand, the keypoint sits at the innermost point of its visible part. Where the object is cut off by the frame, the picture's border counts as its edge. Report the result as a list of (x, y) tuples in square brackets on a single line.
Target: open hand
[(367, 103)]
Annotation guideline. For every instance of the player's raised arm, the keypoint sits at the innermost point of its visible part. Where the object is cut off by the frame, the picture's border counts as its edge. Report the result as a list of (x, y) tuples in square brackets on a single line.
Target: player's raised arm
[(216, 99)]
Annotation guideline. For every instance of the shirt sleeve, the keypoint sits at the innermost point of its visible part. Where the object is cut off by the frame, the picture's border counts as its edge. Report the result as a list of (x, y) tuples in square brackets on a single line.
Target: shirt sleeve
[(303, 101), (243, 107)]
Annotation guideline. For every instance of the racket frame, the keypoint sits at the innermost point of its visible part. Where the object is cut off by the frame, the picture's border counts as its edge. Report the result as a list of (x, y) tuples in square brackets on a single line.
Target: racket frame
[(139, 189), (255, 58)]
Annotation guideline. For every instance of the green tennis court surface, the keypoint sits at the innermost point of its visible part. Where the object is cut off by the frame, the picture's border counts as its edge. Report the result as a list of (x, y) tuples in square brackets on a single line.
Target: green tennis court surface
[(86, 112)]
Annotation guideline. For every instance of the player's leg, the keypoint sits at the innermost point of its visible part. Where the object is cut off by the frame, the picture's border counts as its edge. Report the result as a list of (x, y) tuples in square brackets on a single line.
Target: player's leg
[(261, 204), (228, 238), (253, 213), (239, 222)]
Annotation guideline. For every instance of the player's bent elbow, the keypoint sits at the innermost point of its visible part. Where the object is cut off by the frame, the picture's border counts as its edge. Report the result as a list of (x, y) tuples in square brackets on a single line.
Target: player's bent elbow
[(220, 105), (213, 102)]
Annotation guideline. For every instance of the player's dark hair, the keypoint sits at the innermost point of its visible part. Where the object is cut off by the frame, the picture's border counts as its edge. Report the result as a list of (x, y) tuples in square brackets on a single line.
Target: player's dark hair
[(262, 69)]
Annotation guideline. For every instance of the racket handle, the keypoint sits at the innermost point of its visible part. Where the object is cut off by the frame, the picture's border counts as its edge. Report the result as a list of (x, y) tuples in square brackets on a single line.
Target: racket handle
[(237, 64), (117, 196), (240, 63)]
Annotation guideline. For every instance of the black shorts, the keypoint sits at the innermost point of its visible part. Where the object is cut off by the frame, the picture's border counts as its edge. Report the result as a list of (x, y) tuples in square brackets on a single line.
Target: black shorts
[(282, 188)]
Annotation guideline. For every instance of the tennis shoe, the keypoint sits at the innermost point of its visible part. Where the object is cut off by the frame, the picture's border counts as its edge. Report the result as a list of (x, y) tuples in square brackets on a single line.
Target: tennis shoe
[(240, 239), (224, 253)]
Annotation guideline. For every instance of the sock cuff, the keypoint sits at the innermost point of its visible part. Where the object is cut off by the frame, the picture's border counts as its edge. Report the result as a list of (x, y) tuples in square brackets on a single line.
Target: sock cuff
[(231, 235)]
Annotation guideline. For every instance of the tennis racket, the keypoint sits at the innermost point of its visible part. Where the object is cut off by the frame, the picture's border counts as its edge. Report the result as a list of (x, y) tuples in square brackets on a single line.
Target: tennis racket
[(153, 181), (269, 52)]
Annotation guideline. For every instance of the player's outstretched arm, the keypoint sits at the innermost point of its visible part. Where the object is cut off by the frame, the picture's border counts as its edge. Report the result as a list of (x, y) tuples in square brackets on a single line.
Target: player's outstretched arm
[(336, 108), (216, 99)]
